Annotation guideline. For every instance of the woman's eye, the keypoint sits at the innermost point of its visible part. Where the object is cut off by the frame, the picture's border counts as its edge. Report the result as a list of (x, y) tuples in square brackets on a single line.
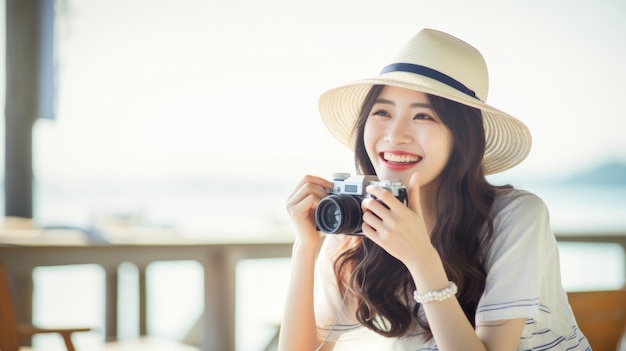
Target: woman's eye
[(423, 116), (380, 113)]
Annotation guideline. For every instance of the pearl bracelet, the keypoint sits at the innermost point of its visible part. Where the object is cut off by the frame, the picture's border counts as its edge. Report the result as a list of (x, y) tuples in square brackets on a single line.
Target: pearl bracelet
[(436, 295)]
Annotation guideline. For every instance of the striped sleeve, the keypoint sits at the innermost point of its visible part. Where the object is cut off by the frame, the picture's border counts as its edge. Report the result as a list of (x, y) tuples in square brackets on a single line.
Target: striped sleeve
[(524, 279)]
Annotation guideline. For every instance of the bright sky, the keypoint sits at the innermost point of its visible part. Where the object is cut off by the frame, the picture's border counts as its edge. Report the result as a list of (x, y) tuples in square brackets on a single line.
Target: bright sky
[(167, 88)]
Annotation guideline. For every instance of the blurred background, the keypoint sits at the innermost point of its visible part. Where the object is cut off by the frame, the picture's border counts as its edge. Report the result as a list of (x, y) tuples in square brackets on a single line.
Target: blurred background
[(201, 116)]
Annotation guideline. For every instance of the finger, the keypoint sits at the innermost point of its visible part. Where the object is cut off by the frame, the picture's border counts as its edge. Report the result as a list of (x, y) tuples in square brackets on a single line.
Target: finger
[(303, 206), (371, 233), (309, 185), (376, 208), (373, 219), (311, 194), (313, 180), (414, 193), (384, 196)]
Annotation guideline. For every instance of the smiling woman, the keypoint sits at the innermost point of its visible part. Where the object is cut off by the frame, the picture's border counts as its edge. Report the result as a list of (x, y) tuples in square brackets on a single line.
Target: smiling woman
[(481, 261)]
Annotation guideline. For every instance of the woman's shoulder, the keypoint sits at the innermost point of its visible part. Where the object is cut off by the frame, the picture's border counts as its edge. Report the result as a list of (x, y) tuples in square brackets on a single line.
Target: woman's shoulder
[(521, 224), (509, 201)]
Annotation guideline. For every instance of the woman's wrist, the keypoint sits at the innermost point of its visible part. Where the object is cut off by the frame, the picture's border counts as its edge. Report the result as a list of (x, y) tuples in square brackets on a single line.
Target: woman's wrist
[(300, 247), (428, 273), (435, 295), (306, 243)]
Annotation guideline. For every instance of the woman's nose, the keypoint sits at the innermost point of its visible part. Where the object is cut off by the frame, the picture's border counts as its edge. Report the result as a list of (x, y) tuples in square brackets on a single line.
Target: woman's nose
[(398, 133)]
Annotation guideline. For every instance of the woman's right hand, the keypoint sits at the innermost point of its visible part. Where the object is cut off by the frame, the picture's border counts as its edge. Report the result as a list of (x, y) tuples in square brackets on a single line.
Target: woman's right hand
[(301, 205)]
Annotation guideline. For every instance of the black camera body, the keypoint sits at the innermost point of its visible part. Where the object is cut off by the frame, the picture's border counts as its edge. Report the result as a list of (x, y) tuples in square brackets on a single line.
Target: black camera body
[(340, 211)]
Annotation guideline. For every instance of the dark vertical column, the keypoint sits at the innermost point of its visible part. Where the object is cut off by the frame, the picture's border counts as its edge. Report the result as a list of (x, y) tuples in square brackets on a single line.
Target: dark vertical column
[(22, 89), (111, 303), (143, 299)]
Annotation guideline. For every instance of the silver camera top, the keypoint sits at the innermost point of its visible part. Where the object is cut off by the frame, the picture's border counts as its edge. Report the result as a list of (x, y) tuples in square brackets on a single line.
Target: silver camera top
[(355, 185)]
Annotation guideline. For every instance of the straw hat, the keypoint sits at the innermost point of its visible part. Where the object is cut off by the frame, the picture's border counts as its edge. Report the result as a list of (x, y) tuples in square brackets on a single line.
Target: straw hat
[(436, 63)]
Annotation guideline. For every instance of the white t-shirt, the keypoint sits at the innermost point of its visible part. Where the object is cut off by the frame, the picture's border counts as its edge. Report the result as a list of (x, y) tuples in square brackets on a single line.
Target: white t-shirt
[(523, 281)]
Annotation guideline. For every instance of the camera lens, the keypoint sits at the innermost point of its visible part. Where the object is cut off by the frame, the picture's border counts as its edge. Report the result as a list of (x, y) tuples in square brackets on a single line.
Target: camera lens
[(339, 214)]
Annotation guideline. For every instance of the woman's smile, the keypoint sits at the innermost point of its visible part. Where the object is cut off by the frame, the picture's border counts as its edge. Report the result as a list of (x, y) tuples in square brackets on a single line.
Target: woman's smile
[(400, 157), (399, 160)]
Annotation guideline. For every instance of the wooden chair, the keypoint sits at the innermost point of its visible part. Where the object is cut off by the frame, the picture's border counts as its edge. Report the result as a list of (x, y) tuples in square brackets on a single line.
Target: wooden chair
[(12, 332), (601, 315)]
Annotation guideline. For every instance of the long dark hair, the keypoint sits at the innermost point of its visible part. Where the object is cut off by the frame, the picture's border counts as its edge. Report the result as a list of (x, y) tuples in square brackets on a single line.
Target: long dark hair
[(461, 235)]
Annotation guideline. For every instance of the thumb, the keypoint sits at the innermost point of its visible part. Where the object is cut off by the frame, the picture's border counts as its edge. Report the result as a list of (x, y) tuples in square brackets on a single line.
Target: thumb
[(414, 193)]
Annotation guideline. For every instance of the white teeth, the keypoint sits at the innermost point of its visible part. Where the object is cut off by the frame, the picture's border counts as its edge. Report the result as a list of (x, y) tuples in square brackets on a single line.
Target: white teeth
[(400, 158)]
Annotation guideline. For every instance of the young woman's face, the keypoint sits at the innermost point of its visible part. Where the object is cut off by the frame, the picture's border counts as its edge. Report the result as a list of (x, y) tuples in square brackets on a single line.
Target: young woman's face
[(403, 135)]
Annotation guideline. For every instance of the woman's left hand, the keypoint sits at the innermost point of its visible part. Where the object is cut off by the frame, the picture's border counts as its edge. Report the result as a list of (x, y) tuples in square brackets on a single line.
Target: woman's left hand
[(399, 229)]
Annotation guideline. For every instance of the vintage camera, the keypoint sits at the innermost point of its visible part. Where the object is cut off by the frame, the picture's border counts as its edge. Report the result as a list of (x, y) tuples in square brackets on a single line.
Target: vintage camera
[(340, 211)]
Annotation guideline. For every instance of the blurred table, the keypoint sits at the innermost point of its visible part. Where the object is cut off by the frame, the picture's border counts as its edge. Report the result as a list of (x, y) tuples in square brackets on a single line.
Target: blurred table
[(23, 250)]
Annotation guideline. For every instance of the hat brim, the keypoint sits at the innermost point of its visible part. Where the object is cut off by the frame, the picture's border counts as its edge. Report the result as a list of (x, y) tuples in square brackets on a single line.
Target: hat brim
[(508, 140)]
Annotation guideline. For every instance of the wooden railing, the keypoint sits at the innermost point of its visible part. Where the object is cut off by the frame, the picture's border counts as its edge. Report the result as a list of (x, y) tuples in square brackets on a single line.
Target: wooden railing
[(218, 259), (22, 253), (606, 237)]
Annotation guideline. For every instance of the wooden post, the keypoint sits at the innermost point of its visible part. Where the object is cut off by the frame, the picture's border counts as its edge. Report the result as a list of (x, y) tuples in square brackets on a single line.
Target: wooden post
[(111, 303), (143, 299)]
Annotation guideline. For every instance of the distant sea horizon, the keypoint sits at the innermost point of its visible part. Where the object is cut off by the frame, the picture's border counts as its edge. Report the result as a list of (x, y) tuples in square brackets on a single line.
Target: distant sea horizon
[(591, 201)]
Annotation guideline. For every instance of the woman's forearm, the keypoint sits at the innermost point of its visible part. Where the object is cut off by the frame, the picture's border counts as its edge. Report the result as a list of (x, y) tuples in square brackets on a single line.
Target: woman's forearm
[(298, 330), (447, 321)]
